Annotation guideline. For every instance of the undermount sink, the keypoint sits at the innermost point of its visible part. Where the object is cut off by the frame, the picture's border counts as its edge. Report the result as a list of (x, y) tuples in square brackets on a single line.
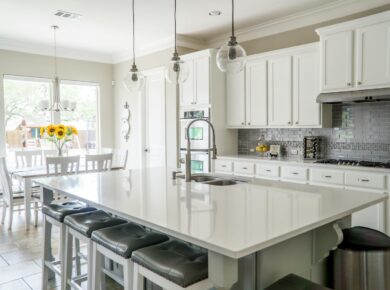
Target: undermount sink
[(203, 178), (222, 182)]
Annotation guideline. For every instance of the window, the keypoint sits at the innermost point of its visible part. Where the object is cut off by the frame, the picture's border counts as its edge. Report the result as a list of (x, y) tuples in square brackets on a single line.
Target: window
[(23, 117)]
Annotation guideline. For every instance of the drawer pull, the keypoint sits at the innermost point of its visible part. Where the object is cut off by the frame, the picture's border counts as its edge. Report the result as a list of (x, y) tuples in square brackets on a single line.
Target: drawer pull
[(245, 168), (223, 166), (327, 176), (268, 170), (295, 173), (364, 180)]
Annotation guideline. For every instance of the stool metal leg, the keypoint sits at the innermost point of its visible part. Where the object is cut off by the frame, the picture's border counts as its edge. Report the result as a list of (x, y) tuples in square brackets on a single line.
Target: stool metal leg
[(90, 265), (128, 275), (46, 253), (97, 269), (138, 279), (66, 276), (77, 251)]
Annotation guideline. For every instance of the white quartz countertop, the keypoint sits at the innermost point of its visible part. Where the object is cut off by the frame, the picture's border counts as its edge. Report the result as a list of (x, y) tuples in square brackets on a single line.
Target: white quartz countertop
[(302, 162), (234, 220)]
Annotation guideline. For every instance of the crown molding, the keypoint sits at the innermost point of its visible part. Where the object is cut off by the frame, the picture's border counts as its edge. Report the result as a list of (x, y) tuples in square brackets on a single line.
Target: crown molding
[(183, 41), (309, 17), (40, 49)]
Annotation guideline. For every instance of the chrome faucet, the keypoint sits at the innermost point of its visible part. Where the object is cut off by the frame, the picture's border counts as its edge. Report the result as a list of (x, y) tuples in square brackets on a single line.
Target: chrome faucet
[(188, 155)]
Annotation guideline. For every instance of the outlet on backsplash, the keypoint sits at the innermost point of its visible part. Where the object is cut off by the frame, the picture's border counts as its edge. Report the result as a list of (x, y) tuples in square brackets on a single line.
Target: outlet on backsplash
[(294, 151)]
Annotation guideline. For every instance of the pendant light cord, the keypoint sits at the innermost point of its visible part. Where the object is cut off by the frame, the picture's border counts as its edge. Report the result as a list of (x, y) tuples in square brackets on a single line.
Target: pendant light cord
[(233, 18), (55, 50), (133, 33), (175, 27)]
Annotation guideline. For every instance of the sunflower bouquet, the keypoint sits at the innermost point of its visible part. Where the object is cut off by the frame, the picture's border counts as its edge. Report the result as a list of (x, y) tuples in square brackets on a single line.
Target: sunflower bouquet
[(59, 135)]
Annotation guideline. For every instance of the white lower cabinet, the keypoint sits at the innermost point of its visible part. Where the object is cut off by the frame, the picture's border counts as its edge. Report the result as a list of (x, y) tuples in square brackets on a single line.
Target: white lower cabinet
[(294, 174), (327, 177), (244, 169), (223, 166), (365, 180), (268, 171)]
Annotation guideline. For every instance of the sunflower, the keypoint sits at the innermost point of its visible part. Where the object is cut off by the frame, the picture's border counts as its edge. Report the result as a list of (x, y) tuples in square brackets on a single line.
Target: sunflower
[(62, 127), (42, 131), (51, 129), (74, 131), (60, 133)]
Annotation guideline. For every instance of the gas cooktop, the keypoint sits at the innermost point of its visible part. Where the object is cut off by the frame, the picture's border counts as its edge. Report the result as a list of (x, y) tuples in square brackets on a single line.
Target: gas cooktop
[(355, 163)]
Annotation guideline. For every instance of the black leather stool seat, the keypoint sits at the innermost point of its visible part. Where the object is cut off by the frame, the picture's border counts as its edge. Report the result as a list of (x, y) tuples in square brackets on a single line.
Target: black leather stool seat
[(127, 238), (86, 223), (294, 282), (174, 260), (61, 210)]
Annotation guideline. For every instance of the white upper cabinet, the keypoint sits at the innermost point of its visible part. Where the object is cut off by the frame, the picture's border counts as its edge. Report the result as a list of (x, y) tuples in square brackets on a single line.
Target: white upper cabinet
[(336, 61), (280, 91), (256, 94), (373, 56), (355, 55), (236, 99), (306, 87), (196, 89)]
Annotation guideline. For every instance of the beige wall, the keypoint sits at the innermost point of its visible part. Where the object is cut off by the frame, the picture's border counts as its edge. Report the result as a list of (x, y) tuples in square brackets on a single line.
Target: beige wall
[(159, 59), (32, 65), (299, 36)]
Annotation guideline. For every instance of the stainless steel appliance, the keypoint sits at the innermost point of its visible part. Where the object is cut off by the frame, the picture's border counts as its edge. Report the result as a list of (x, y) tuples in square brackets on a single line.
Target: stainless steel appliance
[(199, 135), (311, 147), (355, 163), (362, 96)]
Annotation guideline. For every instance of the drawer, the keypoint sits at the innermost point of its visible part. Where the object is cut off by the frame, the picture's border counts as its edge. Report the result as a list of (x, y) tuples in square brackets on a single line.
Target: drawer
[(366, 180), (244, 168), (223, 166), (294, 173), (327, 176), (267, 170)]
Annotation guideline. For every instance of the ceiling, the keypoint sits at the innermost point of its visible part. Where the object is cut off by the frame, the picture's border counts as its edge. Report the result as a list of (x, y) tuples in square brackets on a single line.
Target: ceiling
[(105, 26)]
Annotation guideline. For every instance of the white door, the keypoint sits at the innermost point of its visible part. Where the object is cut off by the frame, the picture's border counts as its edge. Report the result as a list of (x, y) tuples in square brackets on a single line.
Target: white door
[(154, 152), (373, 56), (336, 61), (280, 91), (236, 99), (256, 94), (307, 112), (202, 80), (187, 88)]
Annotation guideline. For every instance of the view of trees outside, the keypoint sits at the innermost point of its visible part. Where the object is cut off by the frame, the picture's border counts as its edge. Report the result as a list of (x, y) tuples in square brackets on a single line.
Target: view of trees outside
[(23, 116)]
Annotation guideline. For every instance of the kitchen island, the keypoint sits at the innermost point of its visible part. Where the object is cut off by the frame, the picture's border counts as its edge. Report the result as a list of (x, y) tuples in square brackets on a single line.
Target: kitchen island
[(255, 233)]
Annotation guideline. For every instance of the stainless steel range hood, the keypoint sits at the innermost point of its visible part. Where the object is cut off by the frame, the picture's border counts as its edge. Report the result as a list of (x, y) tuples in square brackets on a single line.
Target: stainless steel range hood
[(355, 96)]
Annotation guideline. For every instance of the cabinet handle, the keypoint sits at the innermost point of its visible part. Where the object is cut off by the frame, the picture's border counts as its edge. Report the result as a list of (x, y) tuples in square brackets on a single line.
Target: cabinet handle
[(268, 170), (242, 123), (249, 123), (295, 173), (364, 180), (328, 176), (297, 122), (223, 166), (289, 123), (349, 84), (360, 83), (245, 168)]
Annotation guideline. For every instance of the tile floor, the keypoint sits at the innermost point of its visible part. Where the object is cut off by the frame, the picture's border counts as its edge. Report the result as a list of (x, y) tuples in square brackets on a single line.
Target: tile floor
[(20, 257)]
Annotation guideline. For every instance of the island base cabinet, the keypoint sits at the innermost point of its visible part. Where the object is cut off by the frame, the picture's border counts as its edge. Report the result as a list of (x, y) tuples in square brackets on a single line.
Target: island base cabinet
[(371, 217)]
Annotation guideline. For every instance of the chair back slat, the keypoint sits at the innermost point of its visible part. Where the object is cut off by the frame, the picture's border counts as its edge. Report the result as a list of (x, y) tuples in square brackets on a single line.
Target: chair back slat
[(98, 162), (6, 182), (119, 157), (62, 165), (28, 158)]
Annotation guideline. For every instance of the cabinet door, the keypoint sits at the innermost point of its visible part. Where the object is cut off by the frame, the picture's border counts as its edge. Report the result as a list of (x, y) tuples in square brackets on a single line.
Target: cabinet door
[(187, 90), (202, 80), (336, 61), (280, 91), (256, 94), (373, 56), (236, 99), (307, 112)]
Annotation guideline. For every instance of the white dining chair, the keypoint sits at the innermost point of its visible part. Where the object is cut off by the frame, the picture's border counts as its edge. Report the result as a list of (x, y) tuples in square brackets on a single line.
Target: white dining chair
[(28, 158), (98, 162), (119, 157), (62, 165), (12, 199)]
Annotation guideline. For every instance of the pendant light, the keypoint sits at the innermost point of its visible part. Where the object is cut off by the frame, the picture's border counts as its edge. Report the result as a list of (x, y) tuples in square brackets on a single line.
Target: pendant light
[(135, 80), (231, 56), (177, 71), (57, 105)]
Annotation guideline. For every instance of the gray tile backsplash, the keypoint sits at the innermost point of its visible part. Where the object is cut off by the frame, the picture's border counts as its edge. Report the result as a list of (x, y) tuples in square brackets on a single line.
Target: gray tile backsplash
[(359, 131)]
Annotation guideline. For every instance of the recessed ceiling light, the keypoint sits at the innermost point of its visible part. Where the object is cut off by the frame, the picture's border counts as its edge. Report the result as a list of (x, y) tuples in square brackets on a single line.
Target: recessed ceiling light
[(215, 13), (66, 14)]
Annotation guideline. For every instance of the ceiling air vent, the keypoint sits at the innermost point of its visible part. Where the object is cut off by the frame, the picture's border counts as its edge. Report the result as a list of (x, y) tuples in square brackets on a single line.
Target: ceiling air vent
[(66, 14)]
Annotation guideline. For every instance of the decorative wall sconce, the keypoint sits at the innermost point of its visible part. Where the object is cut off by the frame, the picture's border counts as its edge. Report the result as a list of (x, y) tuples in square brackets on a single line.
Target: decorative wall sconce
[(126, 128)]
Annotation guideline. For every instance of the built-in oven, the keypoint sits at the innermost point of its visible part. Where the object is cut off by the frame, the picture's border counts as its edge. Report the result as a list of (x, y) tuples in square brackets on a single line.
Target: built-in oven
[(199, 132), (200, 161)]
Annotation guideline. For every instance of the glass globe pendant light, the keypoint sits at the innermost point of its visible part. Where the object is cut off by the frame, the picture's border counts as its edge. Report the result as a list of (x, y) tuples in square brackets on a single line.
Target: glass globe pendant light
[(134, 80), (177, 71), (231, 56)]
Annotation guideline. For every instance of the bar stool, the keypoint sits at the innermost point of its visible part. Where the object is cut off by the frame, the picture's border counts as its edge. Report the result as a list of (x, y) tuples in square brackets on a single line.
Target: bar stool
[(294, 282), (80, 227), (118, 243), (53, 215), (172, 265)]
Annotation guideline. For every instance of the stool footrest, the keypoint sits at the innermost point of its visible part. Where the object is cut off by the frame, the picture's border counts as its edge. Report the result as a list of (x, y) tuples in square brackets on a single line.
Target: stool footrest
[(113, 276), (53, 265)]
